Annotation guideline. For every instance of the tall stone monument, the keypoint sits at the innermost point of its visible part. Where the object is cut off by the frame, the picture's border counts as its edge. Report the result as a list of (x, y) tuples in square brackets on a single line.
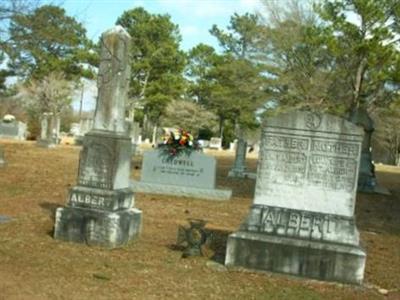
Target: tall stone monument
[(367, 181), (100, 209), (302, 218), (239, 165), (50, 130)]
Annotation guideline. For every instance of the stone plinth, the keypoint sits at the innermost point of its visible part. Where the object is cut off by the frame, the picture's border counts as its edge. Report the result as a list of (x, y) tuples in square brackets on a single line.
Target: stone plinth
[(324, 261), (302, 218), (191, 175)]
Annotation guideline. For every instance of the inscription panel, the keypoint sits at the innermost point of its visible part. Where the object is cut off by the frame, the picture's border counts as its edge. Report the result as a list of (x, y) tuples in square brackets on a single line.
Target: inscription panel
[(96, 167), (309, 168), (195, 170), (103, 200)]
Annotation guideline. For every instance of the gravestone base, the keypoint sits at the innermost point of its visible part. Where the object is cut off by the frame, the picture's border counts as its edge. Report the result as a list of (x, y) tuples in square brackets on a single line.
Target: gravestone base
[(313, 259), (182, 191), (96, 227), (241, 174)]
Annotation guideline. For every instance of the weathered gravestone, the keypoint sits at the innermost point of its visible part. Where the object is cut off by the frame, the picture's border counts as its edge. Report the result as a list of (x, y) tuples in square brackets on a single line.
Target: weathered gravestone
[(302, 219), (10, 128), (100, 209), (239, 166), (50, 130), (192, 175), (366, 178)]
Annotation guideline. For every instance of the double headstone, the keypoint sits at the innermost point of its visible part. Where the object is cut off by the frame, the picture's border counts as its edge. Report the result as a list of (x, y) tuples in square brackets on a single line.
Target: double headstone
[(302, 218), (100, 209), (189, 175)]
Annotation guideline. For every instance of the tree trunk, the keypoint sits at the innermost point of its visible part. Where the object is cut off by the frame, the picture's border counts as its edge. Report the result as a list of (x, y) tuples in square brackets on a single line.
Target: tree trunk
[(145, 126), (358, 83), (221, 128)]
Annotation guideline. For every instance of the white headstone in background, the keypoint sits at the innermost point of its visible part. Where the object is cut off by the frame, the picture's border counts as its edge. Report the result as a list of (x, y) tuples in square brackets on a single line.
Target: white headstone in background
[(215, 143), (302, 219)]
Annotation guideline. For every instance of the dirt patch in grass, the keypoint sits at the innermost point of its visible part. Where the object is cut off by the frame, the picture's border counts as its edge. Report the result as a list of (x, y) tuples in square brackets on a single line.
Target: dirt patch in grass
[(35, 266)]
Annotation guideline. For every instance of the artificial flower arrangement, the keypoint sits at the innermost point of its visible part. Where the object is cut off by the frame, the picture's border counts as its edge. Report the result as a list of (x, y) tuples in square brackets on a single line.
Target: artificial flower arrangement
[(179, 142)]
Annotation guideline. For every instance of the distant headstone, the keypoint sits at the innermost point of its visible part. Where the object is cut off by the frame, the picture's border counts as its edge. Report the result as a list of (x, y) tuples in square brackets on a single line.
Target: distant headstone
[(366, 178), (302, 219), (204, 143), (133, 130), (186, 175), (85, 125), (232, 146), (50, 130), (75, 129), (10, 128), (239, 166), (4, 219), (2, 159), (100, 209), (215, 143)]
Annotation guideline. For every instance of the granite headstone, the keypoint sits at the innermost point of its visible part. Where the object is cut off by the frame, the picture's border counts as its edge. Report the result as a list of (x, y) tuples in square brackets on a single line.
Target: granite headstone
[(302, 218), (190, 175), (100, 209)]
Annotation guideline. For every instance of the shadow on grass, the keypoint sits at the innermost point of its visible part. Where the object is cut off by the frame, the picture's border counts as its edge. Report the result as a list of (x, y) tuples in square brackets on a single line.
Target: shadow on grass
[(50, 207), (379, 213)]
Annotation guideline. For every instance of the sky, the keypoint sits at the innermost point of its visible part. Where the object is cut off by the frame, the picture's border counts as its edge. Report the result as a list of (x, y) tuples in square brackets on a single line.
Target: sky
[(194, 18)]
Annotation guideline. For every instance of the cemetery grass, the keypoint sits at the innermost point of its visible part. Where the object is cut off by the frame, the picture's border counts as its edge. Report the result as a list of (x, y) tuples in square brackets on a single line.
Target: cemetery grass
[(35, 266)]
